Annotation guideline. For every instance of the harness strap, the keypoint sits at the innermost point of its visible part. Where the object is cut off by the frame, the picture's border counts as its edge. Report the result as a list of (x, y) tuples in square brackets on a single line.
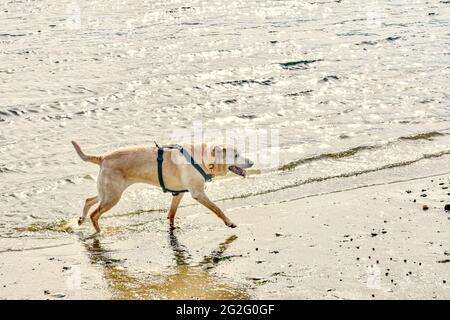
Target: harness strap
[(187, 156), (191, 160)]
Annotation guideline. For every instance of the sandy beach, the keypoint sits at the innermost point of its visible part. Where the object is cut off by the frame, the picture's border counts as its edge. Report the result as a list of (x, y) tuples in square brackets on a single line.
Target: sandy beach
[(342, 107), (373, 240)]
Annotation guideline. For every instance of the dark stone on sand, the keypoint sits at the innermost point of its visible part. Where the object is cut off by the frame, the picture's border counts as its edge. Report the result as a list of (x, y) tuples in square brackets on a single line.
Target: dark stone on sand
[(444, 261), (408, 191), (447, 207), (373, 234), (414, 200), (423, 195), (425, 207)]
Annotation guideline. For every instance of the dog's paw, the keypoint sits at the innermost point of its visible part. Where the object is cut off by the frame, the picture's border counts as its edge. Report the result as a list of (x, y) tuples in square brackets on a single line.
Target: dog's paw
[(231, 225)]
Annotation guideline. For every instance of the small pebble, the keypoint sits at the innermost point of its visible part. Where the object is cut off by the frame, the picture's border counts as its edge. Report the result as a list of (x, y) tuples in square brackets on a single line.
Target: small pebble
[(425, 207), (58, 294)]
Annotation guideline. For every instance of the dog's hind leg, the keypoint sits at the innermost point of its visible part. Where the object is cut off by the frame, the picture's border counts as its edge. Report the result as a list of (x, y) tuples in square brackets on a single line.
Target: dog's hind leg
[(110, 187), (102, 208), (88, 204), (173, 208)]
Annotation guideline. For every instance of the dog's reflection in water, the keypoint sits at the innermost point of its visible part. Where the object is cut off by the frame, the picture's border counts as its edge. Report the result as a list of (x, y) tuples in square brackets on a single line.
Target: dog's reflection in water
[(186, 281)]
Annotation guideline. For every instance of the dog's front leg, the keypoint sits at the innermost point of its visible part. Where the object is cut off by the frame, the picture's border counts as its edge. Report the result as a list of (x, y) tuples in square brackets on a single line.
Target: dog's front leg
[(201, 197), (173, 208)]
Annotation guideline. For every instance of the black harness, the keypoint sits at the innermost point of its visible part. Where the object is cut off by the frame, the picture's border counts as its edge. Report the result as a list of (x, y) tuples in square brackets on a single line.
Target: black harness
[(188, 157)]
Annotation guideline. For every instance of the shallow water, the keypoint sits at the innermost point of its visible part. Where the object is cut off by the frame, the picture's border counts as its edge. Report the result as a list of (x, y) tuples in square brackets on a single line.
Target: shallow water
[(351, 88)]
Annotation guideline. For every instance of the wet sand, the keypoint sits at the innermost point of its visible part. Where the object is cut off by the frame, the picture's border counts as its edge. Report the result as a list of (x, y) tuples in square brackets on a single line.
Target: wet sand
[(358, 95), (370, 241)]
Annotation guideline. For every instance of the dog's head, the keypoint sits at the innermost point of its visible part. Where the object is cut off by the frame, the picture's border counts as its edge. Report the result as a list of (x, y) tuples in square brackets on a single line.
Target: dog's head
[(226, 158)]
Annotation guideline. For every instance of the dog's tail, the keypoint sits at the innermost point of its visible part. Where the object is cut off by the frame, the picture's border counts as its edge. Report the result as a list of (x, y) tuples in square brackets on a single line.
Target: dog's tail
[(94, 159)]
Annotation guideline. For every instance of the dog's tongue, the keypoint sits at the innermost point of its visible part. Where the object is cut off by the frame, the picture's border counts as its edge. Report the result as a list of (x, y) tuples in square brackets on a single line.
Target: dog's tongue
[(239, 171)]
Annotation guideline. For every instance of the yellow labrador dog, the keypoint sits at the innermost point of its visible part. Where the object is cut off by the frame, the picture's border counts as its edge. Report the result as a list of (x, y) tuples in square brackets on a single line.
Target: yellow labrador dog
[(126, 166)]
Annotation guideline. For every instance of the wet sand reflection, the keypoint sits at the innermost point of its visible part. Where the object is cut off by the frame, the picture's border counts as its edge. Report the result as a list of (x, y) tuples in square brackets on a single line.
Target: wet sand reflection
[(185, 281)]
